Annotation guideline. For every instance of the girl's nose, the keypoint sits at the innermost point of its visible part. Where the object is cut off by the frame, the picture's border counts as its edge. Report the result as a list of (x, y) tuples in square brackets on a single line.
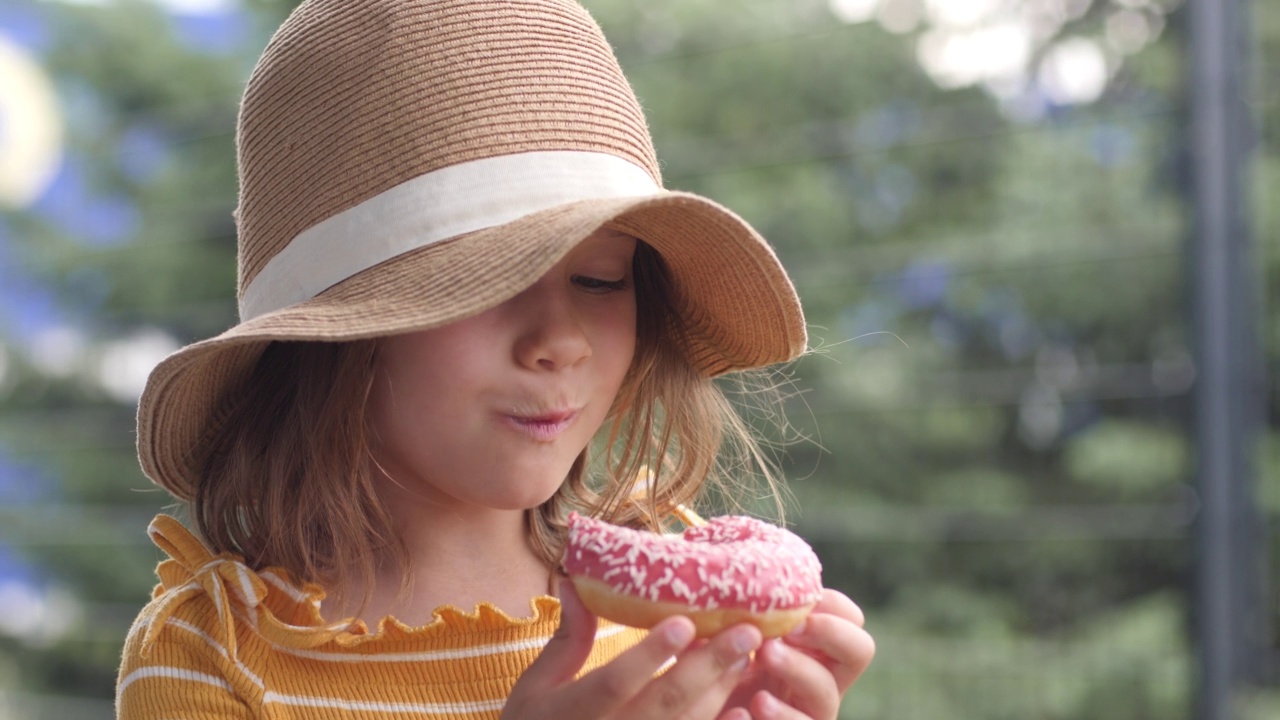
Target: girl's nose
[(551, 336)]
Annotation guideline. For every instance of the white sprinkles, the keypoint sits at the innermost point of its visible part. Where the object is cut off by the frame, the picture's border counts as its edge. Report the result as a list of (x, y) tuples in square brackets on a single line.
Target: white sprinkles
[(733, 561)]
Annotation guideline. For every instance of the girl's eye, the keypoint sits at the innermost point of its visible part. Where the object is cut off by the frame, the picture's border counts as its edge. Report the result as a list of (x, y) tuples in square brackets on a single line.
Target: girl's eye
[(599, 285)]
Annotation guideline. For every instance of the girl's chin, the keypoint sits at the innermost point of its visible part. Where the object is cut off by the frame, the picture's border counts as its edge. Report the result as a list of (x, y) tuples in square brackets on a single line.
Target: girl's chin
[(504, 483), (521, 490), (526, 500)]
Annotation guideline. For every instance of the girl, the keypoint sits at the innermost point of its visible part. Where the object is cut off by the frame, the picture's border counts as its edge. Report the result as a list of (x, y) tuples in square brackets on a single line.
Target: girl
[(457, 264)]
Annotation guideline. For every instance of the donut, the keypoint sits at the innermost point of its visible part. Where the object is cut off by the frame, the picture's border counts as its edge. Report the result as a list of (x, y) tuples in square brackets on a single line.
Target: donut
[(732, 569)]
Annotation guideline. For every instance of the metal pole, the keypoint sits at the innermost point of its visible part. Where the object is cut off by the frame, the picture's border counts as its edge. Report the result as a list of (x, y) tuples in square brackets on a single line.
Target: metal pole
[(1223, 325)]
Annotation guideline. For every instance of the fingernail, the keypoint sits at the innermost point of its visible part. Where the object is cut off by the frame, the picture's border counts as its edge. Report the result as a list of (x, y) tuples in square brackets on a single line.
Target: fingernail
[(744, 640), (798, 630), (740, 664), (778, 648), (678, 634)]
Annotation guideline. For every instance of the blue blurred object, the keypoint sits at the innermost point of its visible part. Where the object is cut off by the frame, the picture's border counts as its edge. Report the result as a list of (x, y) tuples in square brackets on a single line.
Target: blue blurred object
[(1008, 326), (142, 152), (924, 283), (886, 126), (1113, 145), (869, 322), (221, 32), (23, 482), (13, 569), (23, 23), (26, 307), (94, 220)]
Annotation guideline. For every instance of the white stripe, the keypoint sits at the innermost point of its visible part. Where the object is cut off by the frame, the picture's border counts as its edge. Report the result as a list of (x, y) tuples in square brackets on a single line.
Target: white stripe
[(188, 627), (188, 585), (217, 597), (285, 587), (141, 626), (433, 207), (610, 631), (425, 656), (216, 646), (171, 672), (438, 709), (364, 706), (246, 588)]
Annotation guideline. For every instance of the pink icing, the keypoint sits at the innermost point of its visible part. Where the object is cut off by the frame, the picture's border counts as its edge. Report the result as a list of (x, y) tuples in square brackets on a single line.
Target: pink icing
[(735, 562)]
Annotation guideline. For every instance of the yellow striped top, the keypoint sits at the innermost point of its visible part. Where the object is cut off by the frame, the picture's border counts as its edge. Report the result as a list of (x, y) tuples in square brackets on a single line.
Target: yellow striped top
[(219, 640)]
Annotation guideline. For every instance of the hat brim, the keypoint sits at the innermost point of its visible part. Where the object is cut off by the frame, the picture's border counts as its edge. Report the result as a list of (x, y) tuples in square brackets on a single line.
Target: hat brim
[(738, 307)]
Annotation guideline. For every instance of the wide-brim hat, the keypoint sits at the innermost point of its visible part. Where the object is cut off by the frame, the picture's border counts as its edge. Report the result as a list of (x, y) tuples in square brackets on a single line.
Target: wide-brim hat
[(407, 163)]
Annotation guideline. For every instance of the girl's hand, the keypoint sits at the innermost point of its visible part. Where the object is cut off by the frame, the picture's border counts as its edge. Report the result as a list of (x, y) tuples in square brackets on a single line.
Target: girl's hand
[(806, 673), (697, 686)]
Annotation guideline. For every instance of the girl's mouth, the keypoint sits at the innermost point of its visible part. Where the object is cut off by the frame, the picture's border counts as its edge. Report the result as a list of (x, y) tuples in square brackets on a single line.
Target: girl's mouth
[(543, 427)]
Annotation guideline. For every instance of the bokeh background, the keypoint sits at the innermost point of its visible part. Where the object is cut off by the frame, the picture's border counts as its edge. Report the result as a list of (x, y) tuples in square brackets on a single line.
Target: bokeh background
[(991, 210)]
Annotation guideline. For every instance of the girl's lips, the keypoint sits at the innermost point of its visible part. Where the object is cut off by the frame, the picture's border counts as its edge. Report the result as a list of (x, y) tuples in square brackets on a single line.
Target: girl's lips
[(544, 427)]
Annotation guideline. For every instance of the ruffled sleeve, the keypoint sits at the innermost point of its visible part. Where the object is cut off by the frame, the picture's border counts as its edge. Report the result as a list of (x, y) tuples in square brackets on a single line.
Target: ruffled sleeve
[(236, 591)]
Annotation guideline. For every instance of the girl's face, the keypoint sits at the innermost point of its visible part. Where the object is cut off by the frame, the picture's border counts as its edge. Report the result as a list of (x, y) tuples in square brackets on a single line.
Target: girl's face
[(492, 410)]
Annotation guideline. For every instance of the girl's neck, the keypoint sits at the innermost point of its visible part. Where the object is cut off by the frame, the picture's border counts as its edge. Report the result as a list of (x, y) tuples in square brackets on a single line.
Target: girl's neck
[(455, 558)]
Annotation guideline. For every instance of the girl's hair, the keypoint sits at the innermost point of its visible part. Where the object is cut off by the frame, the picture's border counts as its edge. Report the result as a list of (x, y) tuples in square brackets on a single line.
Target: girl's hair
[(287, 480)]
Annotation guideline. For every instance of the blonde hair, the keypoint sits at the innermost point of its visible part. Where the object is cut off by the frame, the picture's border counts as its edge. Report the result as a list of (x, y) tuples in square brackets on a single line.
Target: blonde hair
[(285, 481)]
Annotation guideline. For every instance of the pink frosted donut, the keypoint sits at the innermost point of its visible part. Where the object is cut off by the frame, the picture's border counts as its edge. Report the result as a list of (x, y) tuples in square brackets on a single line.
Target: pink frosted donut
[(731, 570)]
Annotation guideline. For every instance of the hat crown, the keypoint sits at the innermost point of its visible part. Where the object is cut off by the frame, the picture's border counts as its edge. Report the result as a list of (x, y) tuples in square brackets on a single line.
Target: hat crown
[(354, 97)]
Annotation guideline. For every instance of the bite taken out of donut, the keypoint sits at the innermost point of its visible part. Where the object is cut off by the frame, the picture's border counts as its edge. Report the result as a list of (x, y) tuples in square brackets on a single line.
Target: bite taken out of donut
[(731, 570)]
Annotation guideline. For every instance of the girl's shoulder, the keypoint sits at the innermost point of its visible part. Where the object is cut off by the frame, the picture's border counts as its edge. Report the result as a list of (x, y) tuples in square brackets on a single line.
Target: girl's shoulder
[(219, 601), (217, 598), (188, 639), (241, 638)]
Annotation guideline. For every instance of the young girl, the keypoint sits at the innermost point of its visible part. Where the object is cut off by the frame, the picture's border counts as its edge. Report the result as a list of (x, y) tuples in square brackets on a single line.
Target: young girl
[(458, 271)]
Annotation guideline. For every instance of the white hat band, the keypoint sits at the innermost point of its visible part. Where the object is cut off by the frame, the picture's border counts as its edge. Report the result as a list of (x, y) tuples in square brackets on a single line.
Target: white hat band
[(436, 206)]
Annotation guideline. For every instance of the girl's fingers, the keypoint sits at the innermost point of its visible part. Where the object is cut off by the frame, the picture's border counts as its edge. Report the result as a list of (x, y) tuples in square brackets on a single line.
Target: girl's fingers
[(608, 688), (701, 680), (846, 648), (546, 689), (567, 651), (808, 685), (764, 706), (734, 714), (806, 673), (834, 602)]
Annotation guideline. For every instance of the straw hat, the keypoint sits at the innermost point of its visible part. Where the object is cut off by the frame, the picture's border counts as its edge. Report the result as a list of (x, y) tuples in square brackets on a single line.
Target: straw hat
[(407, 163)]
